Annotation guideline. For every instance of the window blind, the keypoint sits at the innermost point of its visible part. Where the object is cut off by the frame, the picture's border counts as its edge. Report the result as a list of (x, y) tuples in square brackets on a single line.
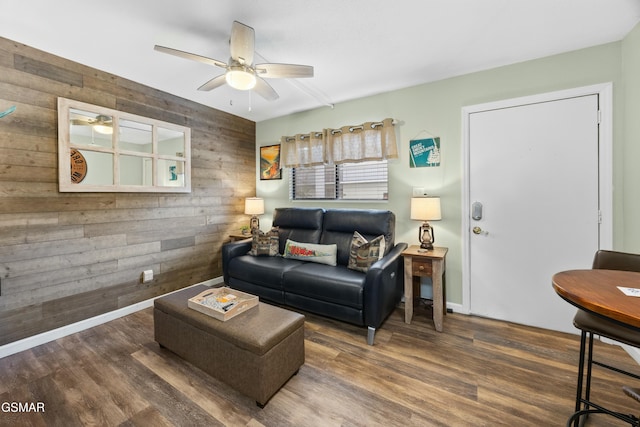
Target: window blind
[(346, 181)]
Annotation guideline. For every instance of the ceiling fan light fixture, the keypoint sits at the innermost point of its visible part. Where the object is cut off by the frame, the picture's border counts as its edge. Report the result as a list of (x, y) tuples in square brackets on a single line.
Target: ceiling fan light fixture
[(104, 129), (103, 125), (241, 79)]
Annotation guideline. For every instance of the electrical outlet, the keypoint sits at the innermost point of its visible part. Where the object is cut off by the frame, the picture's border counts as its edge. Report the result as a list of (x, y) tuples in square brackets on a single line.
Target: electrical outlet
[(419, 192), (147, 276)]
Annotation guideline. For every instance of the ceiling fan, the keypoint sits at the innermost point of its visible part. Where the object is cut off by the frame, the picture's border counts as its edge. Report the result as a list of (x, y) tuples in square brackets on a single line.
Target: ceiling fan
[(241, 73), (102, 124)]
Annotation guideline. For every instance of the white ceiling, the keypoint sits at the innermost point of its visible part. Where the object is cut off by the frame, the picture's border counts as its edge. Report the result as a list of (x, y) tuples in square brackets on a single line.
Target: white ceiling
[(358, 47)]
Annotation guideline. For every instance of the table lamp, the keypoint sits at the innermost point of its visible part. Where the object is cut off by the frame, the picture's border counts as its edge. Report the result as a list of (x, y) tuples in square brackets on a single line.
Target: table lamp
[(426, 209), (254, 206)]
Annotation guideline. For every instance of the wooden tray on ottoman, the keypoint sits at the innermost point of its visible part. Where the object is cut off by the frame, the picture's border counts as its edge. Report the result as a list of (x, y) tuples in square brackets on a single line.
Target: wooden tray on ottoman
[(243, 302)]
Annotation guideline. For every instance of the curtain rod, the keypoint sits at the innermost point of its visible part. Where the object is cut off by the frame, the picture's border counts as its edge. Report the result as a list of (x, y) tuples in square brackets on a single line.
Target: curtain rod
[(334, 131)]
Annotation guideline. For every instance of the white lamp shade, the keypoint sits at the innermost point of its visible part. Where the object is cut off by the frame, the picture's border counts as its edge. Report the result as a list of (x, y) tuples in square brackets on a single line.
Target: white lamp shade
[(254, 206), (425, 208)]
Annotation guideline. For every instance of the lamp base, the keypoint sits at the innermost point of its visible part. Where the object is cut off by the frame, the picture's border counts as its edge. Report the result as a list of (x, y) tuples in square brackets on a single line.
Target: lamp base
[(427, 245), (254, 223)]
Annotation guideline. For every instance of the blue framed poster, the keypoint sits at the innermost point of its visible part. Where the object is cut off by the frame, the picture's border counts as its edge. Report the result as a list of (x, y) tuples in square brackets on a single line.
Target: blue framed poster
[(424, 152)]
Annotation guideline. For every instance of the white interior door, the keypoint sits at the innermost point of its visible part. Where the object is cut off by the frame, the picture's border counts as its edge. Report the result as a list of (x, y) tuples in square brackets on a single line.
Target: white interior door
[(534, 169)]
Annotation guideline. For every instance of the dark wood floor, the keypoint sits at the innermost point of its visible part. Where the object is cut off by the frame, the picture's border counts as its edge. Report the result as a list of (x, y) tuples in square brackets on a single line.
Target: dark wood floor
[(479, 372)]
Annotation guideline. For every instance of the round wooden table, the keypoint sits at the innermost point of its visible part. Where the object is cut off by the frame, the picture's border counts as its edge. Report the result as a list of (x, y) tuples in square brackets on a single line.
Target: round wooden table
[(597, 291)]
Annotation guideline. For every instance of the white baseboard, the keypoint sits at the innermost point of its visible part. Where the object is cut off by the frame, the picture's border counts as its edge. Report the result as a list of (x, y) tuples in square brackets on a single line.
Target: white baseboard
[(456, 308), (634, 352), (45, 337)]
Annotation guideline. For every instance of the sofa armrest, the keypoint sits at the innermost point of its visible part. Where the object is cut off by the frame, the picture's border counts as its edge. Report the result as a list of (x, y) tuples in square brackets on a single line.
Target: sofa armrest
[(232, 250), (384, 286)]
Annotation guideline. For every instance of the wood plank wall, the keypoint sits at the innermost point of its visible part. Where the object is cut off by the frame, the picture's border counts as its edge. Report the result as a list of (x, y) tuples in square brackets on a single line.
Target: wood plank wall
[(65, 257)]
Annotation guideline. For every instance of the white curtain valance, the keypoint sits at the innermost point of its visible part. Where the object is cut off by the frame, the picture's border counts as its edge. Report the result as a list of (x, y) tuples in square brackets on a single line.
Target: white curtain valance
[(302, 150), (349, 144), (369, 141)]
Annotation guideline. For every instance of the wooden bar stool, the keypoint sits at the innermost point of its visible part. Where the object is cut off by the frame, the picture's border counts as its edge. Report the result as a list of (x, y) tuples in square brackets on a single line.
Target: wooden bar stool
[(592, 324)]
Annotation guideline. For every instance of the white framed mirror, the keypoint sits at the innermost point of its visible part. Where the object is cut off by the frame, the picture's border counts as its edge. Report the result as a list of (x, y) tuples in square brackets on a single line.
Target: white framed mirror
[(105, 150)]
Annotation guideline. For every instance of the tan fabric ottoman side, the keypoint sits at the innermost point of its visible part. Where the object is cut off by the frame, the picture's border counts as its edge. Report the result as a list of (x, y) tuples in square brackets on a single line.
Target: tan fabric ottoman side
[(255, 352)]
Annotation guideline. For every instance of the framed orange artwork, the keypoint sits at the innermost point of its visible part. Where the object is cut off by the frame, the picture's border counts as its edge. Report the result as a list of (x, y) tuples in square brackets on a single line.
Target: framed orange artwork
[(270, 162)]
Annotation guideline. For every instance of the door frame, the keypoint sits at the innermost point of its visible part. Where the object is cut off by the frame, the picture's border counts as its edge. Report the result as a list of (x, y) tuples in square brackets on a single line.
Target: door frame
[(605, 165)]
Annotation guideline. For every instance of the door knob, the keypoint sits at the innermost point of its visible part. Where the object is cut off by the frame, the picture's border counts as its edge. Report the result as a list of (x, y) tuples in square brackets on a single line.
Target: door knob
[(478, 230)]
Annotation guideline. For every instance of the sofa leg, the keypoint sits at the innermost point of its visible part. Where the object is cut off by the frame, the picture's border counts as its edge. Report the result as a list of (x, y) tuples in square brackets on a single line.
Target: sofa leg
[(371, 333)]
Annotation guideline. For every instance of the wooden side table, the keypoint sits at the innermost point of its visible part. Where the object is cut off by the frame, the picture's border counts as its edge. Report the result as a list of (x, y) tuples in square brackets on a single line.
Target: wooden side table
[(425, 263), (238, 236)]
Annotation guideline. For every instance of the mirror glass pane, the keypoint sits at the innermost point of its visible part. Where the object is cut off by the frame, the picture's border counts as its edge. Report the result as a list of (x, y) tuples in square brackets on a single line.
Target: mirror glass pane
[(170, 142), (90, 129), (170, 173), (99, 170), (136, 170), (135, 136)]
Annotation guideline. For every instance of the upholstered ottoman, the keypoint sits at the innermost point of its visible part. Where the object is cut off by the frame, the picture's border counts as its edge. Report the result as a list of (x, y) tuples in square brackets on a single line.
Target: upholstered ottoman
[(255, 352)]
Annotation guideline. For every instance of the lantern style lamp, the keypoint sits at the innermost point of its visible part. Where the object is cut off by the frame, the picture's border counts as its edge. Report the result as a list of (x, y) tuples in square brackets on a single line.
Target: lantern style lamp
[(426, 209), (254, 206)]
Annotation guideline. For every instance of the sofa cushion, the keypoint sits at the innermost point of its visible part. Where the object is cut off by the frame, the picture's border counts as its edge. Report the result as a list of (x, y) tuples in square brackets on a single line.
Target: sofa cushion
[(264, 244), (339, 225), (322, 254), (364, 253), (264, 271), (298, 224), (332, 284)]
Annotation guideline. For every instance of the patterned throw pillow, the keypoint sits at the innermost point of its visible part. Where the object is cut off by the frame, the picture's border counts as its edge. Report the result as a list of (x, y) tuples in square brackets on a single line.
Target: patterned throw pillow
[(363, 253), (264, 244), (322, 254)]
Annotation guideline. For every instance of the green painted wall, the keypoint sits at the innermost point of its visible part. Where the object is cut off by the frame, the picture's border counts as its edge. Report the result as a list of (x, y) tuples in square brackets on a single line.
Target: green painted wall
[(630, 150), (435, 108)]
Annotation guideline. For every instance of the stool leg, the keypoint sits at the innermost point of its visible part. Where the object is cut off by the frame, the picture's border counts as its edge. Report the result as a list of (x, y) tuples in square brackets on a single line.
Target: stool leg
[(587, 394), (583, 342)]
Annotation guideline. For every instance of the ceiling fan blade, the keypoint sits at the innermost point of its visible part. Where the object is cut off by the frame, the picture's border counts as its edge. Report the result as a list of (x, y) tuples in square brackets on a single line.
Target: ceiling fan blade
[(213, 83), (192, 56), (242, 43), (282, 71), (81, 122), (265, 90)]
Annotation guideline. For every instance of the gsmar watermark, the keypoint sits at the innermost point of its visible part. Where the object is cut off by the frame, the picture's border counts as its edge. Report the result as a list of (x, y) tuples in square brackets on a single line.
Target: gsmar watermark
[(22, 407)]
